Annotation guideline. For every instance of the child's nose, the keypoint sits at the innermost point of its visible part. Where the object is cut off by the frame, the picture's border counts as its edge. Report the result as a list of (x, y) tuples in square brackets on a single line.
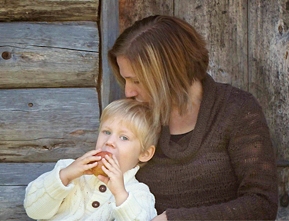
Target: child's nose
[(108, 144)]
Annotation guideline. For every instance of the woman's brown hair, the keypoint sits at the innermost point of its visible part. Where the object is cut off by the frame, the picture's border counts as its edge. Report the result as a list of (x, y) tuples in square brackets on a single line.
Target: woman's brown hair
[(167, 55)]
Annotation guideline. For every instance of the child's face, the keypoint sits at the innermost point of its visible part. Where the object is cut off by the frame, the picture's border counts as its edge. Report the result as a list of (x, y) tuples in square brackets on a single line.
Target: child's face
[(116, 137)]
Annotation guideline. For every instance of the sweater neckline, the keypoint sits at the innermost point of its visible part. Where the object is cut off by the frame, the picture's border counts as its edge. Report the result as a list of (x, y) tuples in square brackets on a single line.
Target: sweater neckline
[(190, 144)]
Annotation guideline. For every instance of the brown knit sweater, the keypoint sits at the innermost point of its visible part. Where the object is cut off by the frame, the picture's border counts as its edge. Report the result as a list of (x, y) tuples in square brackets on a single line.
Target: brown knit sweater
[(224, 170)]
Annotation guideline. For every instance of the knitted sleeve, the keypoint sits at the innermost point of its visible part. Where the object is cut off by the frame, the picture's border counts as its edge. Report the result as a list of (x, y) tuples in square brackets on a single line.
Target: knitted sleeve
[(253, 159), (44, 195), (140, 205)]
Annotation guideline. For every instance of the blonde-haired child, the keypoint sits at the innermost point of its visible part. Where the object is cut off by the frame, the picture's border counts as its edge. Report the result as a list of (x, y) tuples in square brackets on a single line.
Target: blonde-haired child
[(71, 192)]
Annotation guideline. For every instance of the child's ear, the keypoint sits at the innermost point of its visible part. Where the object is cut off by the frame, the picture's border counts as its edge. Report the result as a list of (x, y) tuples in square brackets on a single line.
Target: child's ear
[(147, 155)]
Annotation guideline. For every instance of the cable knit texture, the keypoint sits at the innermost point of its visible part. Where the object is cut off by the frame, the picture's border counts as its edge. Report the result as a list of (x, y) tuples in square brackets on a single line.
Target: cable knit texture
[(48, 199), (224, 170)]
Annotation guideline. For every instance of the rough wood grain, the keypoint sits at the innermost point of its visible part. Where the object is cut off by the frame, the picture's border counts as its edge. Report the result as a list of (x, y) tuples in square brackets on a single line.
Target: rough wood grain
[(20, 174), (49, 10), (132, 10), (269, 62), (44, 125), (11, 203), (224, 27), (14, 177), (48, 54)]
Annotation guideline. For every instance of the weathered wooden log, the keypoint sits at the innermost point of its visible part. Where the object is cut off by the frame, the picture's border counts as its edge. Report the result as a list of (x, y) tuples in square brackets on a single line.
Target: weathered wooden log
[(44, 125), (11, 203), (14, 177), (49, 10), (48, 54)]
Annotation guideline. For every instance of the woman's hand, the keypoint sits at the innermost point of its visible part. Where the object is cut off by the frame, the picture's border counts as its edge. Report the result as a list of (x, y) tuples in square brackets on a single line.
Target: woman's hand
[(81, 166), (161, 217), (114, 181)]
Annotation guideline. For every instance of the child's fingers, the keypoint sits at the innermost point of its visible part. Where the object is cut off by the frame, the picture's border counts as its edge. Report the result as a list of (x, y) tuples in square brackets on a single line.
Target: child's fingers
[(115, 160), (89, 153), (90, 165), (112, 160), (91, 159), (106, 164), (110, 166)]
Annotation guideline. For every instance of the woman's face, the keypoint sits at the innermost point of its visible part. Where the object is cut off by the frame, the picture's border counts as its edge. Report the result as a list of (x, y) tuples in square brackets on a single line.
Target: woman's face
[(133, 88)]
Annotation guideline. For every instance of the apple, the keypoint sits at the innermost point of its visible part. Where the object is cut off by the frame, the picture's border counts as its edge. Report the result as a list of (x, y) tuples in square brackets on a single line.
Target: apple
[(98, 170)]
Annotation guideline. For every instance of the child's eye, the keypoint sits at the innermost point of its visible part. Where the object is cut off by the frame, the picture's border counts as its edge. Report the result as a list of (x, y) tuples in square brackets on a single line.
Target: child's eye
[(106, 132), (124, 138)]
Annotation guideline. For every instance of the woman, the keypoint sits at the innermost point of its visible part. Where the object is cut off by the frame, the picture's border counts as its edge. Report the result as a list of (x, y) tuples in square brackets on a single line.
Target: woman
[(214, 159)]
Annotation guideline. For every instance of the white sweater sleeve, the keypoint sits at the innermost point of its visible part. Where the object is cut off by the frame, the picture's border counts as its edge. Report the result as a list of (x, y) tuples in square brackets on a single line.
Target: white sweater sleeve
[(140, 205), (44, 195)]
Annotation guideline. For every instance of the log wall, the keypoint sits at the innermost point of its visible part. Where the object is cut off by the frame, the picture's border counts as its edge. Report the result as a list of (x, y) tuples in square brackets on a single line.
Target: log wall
[(55, 78), (49, 102)]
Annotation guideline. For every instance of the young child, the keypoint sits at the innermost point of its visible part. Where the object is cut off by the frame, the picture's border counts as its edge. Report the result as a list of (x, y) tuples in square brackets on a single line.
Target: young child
[(71, 192)]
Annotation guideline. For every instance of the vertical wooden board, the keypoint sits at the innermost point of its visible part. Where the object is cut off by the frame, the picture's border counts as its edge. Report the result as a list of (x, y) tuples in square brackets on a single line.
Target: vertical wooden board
[(283, 175), (107, 86), (133, 10), (269, 66), (44, 125), (48, 54), (223, 24)]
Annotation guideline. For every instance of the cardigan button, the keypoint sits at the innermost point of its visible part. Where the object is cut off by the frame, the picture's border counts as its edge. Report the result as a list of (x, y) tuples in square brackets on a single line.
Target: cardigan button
[(102, 188), (95, 204)]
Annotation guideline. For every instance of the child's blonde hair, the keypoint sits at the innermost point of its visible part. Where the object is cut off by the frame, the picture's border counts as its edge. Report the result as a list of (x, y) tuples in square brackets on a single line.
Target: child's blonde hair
[(137, 116)]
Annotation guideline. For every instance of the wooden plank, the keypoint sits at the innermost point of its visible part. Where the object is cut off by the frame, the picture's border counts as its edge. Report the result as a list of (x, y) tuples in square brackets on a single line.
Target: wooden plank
[(269, 62), (48, 54), (14, 177), (44, 125), (108, 89), (130, 11), (224, 26), (49, 10), (21, 174), (11, 203)]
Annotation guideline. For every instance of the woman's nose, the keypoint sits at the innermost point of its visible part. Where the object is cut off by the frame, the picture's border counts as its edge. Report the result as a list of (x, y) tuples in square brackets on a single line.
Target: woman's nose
[(130, 91)]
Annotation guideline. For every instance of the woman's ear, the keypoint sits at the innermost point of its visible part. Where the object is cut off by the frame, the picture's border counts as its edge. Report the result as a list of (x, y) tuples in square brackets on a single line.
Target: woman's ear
[(147, 155)]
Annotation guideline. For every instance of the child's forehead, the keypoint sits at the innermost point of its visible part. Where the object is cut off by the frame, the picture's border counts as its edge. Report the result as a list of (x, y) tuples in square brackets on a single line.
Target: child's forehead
[(118, 119)]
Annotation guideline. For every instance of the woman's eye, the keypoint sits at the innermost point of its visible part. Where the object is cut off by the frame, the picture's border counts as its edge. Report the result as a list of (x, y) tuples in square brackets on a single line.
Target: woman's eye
[(124, 138), (136, 81)]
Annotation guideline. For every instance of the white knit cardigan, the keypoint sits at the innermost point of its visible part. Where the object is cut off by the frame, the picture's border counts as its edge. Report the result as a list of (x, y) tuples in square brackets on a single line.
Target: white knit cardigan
[(46, 198)]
